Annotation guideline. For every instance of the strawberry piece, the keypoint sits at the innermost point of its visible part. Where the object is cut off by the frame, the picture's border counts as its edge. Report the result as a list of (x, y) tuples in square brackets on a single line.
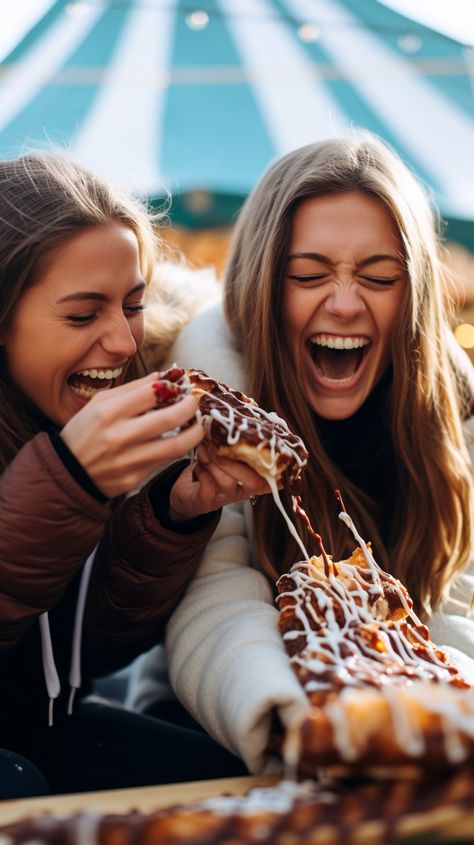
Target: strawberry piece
[(166, 393)]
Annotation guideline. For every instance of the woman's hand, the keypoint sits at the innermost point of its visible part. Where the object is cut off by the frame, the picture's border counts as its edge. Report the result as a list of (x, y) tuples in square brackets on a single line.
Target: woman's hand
[(211, 483), (119, 444)]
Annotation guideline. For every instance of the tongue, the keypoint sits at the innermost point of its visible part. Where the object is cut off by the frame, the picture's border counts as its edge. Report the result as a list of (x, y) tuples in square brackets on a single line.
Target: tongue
[(337, 363)]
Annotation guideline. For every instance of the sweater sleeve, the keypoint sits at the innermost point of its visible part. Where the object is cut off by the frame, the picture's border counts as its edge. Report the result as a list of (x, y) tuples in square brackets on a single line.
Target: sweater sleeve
[(49, 526), (227, 662), (141, 571), (226, 657), (452, 625)]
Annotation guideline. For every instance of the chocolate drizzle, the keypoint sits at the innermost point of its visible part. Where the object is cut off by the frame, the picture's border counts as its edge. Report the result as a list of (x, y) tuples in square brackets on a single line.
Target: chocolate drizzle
[(355, 629), (231, 418)]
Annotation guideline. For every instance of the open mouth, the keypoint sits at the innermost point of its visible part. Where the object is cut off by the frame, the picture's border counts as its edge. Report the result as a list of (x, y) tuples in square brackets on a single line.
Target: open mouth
[(86, 383), (338, 358)]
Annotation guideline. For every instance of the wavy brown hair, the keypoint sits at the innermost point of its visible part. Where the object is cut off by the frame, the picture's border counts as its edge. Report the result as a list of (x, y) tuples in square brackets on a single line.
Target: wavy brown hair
[(46, 199), (431, 523)]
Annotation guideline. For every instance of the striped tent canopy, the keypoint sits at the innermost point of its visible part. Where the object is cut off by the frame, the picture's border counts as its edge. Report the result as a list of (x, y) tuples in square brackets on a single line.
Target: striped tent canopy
[(165, 95)]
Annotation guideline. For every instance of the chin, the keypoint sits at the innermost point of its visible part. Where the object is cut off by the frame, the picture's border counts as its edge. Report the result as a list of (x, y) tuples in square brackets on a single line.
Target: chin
[(336, 409)]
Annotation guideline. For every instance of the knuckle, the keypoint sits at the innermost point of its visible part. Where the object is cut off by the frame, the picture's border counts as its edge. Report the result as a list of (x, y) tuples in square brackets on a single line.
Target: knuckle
[(102, 413)]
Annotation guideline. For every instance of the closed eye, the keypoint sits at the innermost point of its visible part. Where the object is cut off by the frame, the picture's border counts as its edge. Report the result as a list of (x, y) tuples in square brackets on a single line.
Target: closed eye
[(80, 319), (135, 309), (313, 277), (83, 319), (381, 280)]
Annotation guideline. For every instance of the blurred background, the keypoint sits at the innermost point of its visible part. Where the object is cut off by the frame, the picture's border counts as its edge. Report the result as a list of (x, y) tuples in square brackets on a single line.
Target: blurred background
[(195, 100)]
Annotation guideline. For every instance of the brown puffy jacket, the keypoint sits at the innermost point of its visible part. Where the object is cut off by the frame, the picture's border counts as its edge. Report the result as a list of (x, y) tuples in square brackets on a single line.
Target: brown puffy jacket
[(49, 526)]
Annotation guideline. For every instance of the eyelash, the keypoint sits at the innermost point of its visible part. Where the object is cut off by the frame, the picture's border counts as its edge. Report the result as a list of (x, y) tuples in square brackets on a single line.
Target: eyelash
[(83, 319), (380, 281)]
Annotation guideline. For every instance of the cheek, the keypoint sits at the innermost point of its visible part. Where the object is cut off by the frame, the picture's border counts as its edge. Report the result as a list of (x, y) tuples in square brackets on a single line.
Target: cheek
[(294, 309), (138, 330), (387, 326)]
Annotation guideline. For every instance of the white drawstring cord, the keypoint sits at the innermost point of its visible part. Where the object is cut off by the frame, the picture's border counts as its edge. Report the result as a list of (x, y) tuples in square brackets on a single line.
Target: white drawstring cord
[(50, 673), (75, 669)]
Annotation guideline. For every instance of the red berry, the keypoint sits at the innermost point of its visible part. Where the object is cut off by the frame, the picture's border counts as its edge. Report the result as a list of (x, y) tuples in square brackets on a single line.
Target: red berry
[(165, 393)]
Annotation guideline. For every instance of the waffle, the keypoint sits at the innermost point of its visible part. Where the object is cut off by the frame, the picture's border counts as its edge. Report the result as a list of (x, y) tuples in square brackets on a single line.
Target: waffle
[(287, 814), (238, 428), (382, 693)]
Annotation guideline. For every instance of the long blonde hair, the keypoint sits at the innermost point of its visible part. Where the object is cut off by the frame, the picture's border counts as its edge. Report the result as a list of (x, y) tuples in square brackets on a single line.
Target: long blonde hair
[(431, 524), (46, 199)]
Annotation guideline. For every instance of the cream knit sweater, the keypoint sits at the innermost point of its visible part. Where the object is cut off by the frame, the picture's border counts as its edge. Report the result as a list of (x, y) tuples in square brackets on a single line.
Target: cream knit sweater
[(227, 663)]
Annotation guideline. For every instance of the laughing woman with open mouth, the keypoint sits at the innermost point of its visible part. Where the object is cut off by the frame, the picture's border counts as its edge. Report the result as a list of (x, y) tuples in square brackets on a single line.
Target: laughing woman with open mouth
[(90, 569), (333, 317)]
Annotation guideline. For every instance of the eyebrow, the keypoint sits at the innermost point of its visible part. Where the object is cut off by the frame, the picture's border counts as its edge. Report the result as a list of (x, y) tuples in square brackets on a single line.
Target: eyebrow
[(99, 297), (373, 259)]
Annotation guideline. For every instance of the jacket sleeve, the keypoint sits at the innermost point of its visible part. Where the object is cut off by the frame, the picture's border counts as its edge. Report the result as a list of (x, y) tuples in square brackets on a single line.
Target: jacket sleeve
[(226, 657), (48, 527), (140, 573)]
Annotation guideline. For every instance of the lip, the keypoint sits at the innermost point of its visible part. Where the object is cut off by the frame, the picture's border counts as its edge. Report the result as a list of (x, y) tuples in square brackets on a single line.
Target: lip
[(338, 386)]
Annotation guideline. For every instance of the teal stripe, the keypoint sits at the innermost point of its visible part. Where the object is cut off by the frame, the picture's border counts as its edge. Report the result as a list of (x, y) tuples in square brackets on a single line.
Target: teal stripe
[(57, 111), (390, 25), (358, 111), (34, 33), (214, 133)]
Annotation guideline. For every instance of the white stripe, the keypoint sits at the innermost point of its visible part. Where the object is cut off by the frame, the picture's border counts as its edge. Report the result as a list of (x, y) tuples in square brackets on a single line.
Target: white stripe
[(22, 81), (295, 106), (17, 20), (121, 134), (430, 127)]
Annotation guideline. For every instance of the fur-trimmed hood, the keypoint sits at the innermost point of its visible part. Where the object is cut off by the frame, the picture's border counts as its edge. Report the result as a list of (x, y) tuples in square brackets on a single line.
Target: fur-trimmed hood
[(176, 295)]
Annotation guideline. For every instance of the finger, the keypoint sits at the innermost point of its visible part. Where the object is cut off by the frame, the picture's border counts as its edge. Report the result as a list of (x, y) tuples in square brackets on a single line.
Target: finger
[(238, 470), (144, 457), (130, 386), (224, 483), (166, 424), (135, 403), (131, 399), (242, 474), (165, 420)]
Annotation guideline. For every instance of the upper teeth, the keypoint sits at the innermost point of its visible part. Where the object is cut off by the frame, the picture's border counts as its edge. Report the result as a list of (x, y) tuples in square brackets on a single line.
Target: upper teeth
[(339, 342), (101, 373)]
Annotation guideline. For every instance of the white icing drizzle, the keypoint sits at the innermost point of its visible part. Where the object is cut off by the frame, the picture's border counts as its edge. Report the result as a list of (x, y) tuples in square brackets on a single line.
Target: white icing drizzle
[(347, 748), (86, 828), (276, 799), (408, 736), (291, 528), (285, 449), (350, 643), (373, 565)]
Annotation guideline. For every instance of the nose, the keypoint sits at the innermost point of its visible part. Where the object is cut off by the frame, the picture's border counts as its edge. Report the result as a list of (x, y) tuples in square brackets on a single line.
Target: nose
[(118, 339), (344, 302)]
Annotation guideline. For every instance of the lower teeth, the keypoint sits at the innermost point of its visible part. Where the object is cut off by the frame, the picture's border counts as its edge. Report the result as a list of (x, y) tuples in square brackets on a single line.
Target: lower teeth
[(87, 392)]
